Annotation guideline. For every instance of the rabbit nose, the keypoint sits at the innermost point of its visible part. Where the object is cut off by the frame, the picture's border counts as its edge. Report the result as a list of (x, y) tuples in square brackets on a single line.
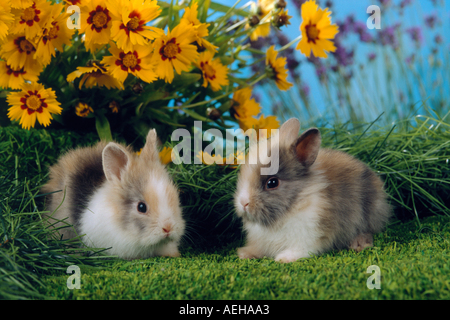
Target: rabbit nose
[(244, 204), (167, 228)]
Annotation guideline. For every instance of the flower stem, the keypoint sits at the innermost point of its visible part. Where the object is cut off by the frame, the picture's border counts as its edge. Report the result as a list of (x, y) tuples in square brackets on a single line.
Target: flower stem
[(290, 43)]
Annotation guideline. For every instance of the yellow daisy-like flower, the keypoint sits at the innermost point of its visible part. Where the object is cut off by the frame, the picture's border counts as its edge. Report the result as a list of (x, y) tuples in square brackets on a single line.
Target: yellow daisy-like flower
[(6, 18), (136, 62), (83, 110), (95, 22), (200, 29), (32, 19), (174, 51), (268, 123), (214, 72), (94, 75), (317, 31), (54, 35), (129, 19), (13, 77), (18, 52), (243, 106), (33, 102), (278, 66)]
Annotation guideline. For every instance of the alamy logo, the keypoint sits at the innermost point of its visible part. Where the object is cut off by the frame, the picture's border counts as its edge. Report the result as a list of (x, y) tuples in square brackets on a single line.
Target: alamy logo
[(374, 281), (374, 21), (75, 17), (74, 281)]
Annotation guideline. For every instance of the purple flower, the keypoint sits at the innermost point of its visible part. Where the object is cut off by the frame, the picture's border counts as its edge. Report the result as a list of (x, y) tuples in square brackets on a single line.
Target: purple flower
[(388, 36), (405, 3), (438, 39), (343, 57), (372, 56), (361, 29), (431, 20), (416, 35), (304, 89)]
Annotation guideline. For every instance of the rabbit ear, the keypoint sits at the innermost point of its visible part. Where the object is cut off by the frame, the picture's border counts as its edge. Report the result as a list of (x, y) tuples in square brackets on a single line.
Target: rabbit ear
[(307, 146), (289, 131), (115, 161), (150, 149)]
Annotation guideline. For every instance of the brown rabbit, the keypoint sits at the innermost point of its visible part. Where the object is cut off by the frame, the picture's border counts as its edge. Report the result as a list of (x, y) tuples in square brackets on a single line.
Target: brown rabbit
[(319, 200)]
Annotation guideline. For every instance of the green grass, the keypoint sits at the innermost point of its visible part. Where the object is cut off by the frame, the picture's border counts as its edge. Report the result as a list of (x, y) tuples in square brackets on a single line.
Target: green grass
[(412, 158), (414, 264)]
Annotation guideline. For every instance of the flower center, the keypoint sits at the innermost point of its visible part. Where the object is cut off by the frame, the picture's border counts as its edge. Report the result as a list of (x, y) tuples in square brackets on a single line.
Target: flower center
[(25, 45), (33, 102), (99, 19), (53, 33), (170, 50), (208, 70), (133, 23), (312, 33), (130, 60), (28, 14)]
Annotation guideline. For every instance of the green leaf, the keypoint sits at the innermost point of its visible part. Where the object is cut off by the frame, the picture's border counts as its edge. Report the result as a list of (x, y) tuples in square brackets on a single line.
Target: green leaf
[(203, 8), (195, 115), (221, 8), (185, 79), (103, 128)]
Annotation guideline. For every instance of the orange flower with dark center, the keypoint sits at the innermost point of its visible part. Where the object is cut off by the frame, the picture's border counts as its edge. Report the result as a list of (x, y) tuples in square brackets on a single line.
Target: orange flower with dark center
[(209, 71), (32, 102), (23, 45), (30, 15), (134, 25), (170, 50), (99, 18), (312, 33), (51, 34), (129, 61)]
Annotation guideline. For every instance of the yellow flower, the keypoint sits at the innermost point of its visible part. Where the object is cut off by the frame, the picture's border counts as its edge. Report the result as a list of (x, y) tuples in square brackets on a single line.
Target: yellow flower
[(14, 77), (317, 31), (268, 123), (278, 66), (136, 62), (200, 29), (129, 19), (243, 106), (18, 52), (174, 51), (32, 19), (83, 110), (54, 35), (6, 18), (94, 75), (214, 72), (33, 102), (95, 22), (165, 155)]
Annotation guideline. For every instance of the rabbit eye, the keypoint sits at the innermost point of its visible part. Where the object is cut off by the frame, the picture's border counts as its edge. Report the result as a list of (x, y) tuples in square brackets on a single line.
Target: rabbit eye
[(272, 183), (142, 207)]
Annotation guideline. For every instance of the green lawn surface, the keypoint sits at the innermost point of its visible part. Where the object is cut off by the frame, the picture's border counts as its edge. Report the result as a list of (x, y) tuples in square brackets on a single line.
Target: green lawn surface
[(414, 263)]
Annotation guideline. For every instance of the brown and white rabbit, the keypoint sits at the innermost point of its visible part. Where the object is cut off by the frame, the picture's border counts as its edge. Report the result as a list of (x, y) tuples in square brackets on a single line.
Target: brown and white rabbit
[(117, 199), (319, 200)]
